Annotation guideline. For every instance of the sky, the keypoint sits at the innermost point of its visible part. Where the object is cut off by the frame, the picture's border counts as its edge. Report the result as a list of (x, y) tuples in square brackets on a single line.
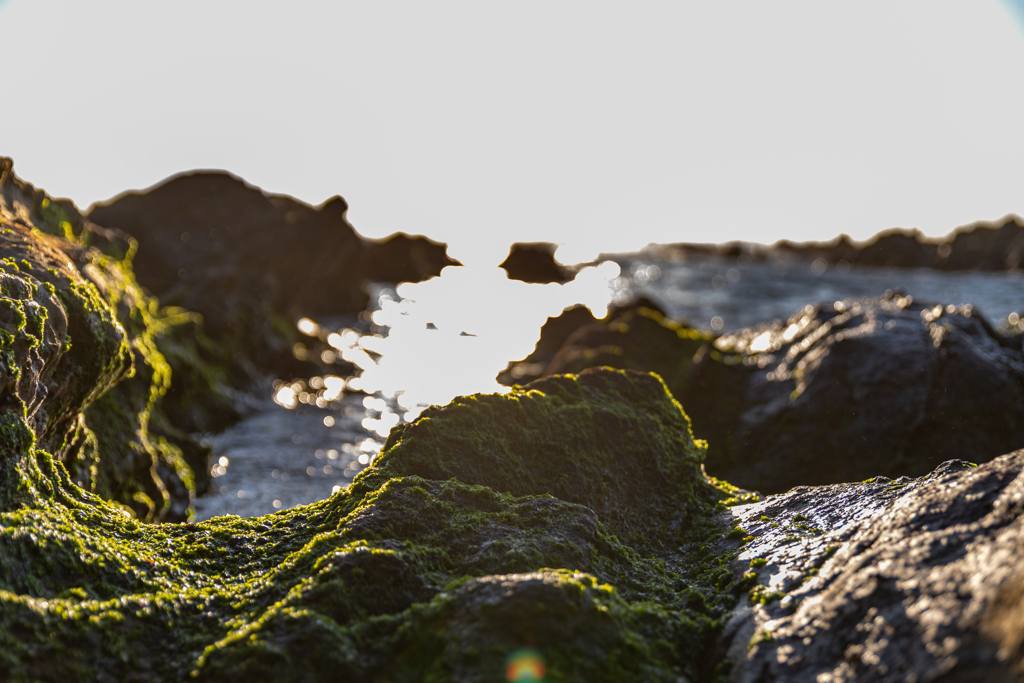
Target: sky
[(601, 126)]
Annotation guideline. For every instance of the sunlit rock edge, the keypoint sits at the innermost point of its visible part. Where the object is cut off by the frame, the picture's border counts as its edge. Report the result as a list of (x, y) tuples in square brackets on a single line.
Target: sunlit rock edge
[(907, 579)]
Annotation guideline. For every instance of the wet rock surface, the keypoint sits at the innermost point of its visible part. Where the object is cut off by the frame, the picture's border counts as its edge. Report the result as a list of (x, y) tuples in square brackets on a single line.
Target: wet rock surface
[(862, 387), (905, 580)]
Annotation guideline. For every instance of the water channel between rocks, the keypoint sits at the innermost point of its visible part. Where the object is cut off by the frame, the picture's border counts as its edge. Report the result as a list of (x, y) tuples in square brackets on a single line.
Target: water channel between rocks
[(296, 451), (279, 458)]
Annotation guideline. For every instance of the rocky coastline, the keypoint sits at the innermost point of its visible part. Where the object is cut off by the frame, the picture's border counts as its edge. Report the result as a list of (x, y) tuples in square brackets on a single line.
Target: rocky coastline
[(846, 504), (985, 245)]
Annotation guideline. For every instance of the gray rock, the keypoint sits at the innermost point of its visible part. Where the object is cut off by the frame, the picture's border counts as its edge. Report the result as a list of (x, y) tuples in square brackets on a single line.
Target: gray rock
[(907, 580), (862, 387)]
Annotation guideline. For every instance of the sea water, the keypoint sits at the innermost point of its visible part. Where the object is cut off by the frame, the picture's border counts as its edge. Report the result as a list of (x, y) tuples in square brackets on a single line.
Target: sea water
[(429, 342)]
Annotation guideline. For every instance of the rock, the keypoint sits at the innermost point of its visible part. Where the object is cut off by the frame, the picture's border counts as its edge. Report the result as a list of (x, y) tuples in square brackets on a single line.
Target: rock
[(863, 387), (985, 246), (535, 262), (979, 246), (905, 580), (555, 332), (249, 263), (638, 339), (404, 258), (62, 347), (565, 527), (841, 248), (116, 441), (898, 249), (567, 523), (253, 263)]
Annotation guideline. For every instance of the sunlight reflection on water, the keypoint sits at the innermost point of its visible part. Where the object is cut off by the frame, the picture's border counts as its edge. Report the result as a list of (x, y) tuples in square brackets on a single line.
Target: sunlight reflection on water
[(448, 336)]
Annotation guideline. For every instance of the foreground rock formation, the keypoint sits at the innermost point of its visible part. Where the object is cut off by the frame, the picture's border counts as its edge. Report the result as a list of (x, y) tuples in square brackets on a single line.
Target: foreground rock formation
[(906, 580), (566, 527), (486, 527), (93, 373)]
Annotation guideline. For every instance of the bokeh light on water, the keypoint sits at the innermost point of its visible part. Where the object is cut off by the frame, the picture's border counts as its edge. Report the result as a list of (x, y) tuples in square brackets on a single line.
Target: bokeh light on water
[(446, 337), (432, 341)]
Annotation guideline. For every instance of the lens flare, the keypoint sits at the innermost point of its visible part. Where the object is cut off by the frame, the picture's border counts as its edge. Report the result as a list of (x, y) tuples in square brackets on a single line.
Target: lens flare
[(525, 665)]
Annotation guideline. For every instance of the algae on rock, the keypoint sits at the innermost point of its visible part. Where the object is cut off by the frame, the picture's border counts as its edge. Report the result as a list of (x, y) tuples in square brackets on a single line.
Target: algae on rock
[(417, 572), (117, 442), (570, 516)]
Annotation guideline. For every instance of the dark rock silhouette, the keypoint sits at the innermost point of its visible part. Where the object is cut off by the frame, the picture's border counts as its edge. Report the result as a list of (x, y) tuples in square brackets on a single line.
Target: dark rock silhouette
[(535, 262), (252, 263), (884, 386), (637, 339), (404, 258), (985, 246), (555, 332), (979, 246)]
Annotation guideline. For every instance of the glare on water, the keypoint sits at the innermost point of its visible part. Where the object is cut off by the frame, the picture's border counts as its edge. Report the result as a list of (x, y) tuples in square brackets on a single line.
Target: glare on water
[(449, 336)]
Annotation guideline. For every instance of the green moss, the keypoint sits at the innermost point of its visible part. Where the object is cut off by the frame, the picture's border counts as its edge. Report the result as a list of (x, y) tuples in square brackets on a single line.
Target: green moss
[(126, 447), (759, 638), (571, 517), (762, 595), (415, 565)]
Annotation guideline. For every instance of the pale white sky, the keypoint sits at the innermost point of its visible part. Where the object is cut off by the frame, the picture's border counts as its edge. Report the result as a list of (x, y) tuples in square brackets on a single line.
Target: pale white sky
[(603, 125)]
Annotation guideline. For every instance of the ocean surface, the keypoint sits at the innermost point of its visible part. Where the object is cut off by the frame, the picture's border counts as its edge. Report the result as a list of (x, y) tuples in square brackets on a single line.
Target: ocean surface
[(426, 343)]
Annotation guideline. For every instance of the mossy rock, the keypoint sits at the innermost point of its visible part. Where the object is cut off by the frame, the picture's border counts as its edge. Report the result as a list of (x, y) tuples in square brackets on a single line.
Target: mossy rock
[(113, 420), (596, 543), (569, 518)]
